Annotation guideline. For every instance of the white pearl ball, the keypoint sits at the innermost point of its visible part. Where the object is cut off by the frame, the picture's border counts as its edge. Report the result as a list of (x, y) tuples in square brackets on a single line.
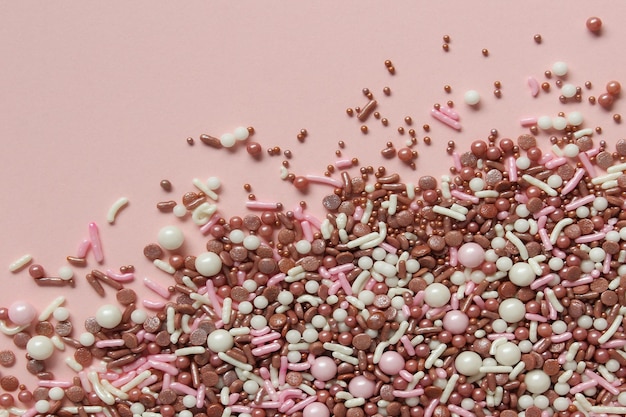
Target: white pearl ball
[(568, 90), (42, 406), (559, 68), (537, 381), (512, 310), (251, 242), (471, 97), (521, 274), (40, 347), (180, 210), (61, 314), (559, 123), (575, 118), (468, 363), (436, 295), (56, 393), (87, 339), (571, 150), (508, 354), (220, 340), (208, 264), (139, 316), (109, 316), (171, 237), (544, 122), (241, 133), (228, 140), (66, 273)]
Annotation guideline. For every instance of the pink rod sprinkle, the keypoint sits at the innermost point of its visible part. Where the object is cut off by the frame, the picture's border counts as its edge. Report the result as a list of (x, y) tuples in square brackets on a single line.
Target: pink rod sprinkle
[(580, 202), (450, 112), (334, 289), (512, 168), (454, 260), (408, 394), (343, 163), (96, 243), (464, 196), (558, 338), (213, 297), (540, 282), (259, 205), (343, 281), (84, 381), (606, 267), (535, 317), (265, 339), (134, 365), (299, 367), (545, 158), (282, 371), (503, 215), (286, 405), (120, 277), (31, 412), (260, 332), (302, 404), (232, 398), (290, 393), (182, 388), (163, 357), (454, 302), (341, 268), (479, 301), (269, 404), (614, 344), (521, 198), (276, 279), (387, 247), (460, 411), (428, 412), (559, 253), (83, 248), (457, 161), (602, 382), (307, 231), (494, 336), (313, 220), (590, 238), (241, 409), (54, 383), (358, 213), (580, 387), (573, 182), (319, 179), (469, 287), (162, 366), (584, 159), (167, 381), (124, 379), (153, 305), (406, 375), (552, 312), (544, 212), (200, 396), (545, 239), (534, 86), (541, 223), (269, 388), (448, 121), (528, 121), (157, 288), (324, 272), (406, 342), (592, 152), (109, 343), (406, 310), (556, 162)]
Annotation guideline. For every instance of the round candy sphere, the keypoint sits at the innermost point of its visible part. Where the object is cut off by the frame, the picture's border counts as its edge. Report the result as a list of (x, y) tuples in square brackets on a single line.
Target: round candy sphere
[(109, 316), (537, 381), (220, 340), (468, 363), (208, 264), (22, 313), (471, 255), (316, 409), (471, 97), (512, 310), (40, 347), (360, 386), (324, 368), (508, 354), (391, 362), (436, 295), (456, 322), (521, 274), (171, 237)]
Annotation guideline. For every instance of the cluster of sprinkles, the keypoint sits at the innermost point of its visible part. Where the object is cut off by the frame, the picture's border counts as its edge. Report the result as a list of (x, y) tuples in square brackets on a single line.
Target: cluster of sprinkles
[(498, 289)]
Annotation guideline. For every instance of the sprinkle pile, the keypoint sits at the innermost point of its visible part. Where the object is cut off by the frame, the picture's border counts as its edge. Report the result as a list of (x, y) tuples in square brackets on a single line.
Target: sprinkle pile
[(496, 290)]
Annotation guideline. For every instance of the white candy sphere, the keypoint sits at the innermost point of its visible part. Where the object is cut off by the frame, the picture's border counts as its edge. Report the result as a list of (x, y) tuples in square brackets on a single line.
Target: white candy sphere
[(40, 347), (208, 264), (559, 68), (508, 354), (109, 316), (521, 274), (61, 314), (42, 406), (139, 316), (544, 122), (575, 118), (56, 393), (537, 381), (436, 295), (471, 97), (228, 140), (87, 339), (512, 310), (241, 133), (559, 123), (468, 363), (220, 340), (568, 90), (171, 237)]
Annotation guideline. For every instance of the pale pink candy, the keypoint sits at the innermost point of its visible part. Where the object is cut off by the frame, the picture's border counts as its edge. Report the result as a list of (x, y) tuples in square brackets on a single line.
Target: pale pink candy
[(22, 313), (324, 368), (316, 409), (455, 322), (471, 255), (360, 386), (391, 362)]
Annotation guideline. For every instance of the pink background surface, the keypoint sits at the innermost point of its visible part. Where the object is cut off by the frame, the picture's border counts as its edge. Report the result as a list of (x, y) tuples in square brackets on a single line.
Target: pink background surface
[(97, 101)]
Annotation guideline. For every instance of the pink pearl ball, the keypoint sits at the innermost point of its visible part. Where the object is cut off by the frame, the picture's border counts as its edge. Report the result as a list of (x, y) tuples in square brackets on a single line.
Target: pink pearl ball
[(316, 409), (324, 368), (22, 313), (471, 255), (455, 322), (391, 362), (360, 386)]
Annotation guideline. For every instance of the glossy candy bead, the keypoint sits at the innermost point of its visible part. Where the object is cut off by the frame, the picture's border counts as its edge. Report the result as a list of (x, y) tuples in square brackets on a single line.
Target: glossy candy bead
[(391, 362), (471, 97), (436, 295), (468, 363), (171, 237), (22, 313), (40, 347), (316, 409), (537, 381), (241, 133), (559, 69), (471, 254), (360, 386), (208, 264), (455, 322), (109, 316), (508, 354), (521, 274), (220, 340), (512, 310), (324, 368)]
